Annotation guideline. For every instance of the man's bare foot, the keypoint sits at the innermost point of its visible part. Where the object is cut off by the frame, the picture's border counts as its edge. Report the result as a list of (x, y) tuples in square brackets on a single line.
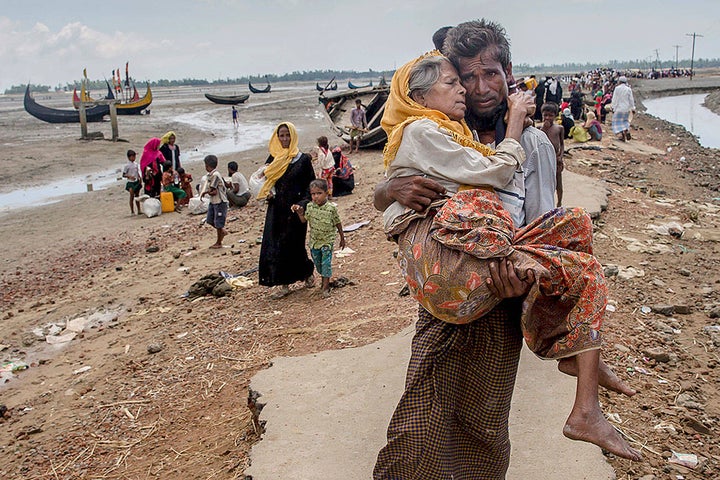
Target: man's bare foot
[(216, 245), (606, 377), (593, 427)]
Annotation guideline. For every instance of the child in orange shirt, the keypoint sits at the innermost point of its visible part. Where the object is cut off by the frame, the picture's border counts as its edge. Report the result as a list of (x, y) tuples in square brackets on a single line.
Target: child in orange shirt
[(186, 184)]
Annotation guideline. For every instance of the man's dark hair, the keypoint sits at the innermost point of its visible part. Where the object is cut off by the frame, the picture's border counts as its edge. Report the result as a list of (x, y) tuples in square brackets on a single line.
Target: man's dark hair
[(211, 161), (551, 107), (471, 38), (439, 37), (233, 166)]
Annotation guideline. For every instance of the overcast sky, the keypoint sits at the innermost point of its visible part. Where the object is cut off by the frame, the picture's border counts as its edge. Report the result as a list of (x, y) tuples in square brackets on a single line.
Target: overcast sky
[(50, 42)]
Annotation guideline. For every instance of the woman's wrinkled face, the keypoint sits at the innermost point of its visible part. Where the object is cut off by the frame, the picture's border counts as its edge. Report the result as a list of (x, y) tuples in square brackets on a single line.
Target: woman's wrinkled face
[(447, 95), (284, 136)]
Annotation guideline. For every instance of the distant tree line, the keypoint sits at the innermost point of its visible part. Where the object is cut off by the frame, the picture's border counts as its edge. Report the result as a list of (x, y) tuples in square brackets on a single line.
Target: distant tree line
[(341, 75), (524, 68)]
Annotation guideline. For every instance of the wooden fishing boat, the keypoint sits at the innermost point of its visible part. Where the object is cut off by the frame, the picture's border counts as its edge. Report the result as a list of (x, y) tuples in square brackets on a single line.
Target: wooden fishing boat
[(352, 86), (56, 115), (259, 90), (134, 107), (332, 86), (337, 113), (136, 104), (227, 99)]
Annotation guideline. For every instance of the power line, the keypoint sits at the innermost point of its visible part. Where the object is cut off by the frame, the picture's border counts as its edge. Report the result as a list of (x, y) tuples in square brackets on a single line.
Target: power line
[(692, 55)]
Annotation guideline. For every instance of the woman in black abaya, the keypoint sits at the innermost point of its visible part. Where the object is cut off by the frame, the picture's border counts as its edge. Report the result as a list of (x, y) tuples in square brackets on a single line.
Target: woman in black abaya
[(288, 173)]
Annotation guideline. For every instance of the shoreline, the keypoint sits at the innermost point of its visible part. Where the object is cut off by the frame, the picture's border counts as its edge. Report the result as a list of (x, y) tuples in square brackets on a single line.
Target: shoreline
[(200, 131)]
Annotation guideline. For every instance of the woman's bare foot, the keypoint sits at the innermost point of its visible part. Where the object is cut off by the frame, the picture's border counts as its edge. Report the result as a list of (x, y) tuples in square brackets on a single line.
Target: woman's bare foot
[(280, 292), (593, 427), (606, 377), (216, 245)]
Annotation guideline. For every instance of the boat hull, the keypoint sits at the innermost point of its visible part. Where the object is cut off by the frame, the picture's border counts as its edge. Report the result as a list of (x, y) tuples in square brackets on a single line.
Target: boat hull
[(337, 113), (56, 115), (227, 99), (354, 87), (135, 108), (321, 89), (259, 90)]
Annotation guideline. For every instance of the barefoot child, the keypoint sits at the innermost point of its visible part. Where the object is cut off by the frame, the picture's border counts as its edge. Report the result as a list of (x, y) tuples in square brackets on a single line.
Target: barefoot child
[(217, 210), (131, 171), (445, 252), (555, 134), (324, 221)]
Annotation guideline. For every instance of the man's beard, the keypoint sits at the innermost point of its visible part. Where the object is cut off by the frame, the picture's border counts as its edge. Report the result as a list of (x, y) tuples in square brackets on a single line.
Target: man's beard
[(488, 121)]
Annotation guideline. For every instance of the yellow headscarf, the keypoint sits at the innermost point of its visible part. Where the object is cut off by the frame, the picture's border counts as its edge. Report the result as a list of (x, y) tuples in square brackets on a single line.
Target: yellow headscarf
[(281, 158), (401, 110), (165, 139)]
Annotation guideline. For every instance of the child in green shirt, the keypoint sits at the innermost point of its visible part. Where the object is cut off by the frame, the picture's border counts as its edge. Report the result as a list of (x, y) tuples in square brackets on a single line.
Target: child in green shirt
[(323, 220)]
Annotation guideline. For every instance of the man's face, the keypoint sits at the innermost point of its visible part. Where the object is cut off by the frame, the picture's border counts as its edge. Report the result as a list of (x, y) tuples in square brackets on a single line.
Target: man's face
[(485, 81)]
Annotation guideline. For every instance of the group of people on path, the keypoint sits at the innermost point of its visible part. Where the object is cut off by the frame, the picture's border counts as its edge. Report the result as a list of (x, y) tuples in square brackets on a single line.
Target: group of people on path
[(470, 200), (159, 170)]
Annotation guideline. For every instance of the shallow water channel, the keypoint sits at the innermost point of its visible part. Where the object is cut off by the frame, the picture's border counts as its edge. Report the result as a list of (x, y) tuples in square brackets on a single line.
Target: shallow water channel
[(244, 138), (688, 111)]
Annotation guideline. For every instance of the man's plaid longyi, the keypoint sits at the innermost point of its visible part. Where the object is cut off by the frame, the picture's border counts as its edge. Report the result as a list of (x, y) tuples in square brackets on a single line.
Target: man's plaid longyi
[(452, 420)]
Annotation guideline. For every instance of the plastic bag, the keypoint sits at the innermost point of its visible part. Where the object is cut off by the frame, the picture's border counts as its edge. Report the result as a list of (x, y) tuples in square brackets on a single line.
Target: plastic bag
[(198, 206), (256, 181), (152, 207)]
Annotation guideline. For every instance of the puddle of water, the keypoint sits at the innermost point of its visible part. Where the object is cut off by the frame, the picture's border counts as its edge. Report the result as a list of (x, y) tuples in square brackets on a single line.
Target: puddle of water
[(688, 111), (52, 192)]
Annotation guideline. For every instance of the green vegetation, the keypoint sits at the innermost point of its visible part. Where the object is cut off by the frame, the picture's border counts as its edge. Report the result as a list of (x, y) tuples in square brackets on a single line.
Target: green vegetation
[(33, 88)]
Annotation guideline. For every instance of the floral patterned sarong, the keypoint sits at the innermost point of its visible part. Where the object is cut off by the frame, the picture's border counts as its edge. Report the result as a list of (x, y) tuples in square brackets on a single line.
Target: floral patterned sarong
[(445, 262)]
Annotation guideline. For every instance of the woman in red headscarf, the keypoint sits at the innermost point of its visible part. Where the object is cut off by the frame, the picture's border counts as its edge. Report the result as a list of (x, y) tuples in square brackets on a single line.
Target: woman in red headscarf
[(150, 167)]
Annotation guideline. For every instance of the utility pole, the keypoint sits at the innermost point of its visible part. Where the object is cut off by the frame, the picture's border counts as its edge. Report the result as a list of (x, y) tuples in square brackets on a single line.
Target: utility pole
[(657, 58), (676, 54), (692, 55)]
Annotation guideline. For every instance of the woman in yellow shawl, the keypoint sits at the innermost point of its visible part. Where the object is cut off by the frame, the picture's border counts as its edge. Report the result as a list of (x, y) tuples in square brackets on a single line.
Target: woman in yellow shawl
[(170, 150), (288, 173), (444, 253)]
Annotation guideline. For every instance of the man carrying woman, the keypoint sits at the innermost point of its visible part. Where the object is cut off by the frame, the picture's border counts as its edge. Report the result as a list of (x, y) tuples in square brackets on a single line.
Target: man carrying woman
[(452, 418)]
